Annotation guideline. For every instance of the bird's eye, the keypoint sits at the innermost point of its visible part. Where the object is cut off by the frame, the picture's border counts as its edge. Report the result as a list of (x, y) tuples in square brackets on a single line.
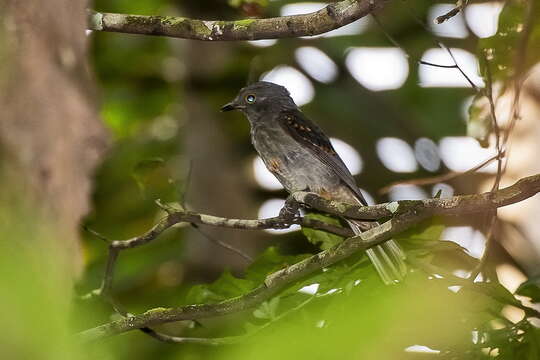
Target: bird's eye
[(250, 99)]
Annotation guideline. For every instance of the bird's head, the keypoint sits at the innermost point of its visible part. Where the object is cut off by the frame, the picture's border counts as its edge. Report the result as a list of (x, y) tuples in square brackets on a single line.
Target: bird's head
[(260, 98)]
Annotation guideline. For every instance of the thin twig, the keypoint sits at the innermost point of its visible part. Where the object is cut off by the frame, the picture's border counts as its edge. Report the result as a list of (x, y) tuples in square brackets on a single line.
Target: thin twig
[(487, 251), (442, 46), (439, 178), (495, 124), (223, 244), (438, 65), (422, 62), (96, 234), (460, 6)]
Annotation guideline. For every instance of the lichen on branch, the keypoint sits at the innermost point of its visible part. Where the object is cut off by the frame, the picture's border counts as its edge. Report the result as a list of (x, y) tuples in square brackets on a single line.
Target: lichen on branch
[(331, 17), (402, 214)]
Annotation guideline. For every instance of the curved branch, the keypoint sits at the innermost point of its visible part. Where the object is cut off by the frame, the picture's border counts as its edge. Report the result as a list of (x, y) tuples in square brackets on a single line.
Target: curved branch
[(178, 216), (406, 214), (329, 18), (456, 205), (273, 284)]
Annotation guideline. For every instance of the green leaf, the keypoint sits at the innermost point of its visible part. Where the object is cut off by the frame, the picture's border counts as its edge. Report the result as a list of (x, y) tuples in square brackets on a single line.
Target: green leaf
[(321, 238), (530, 288), (504, 50), (442, 245), (270, 261), (498, 292), (342, 275), (267, 310), (226, 287), (430, 229)]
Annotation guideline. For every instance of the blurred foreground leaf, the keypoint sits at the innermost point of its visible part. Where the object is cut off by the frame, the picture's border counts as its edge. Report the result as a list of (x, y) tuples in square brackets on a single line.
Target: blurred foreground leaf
[(516, 43), (226, 287), (530, 288)]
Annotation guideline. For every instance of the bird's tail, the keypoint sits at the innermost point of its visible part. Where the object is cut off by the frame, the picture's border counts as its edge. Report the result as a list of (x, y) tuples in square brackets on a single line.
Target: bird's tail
[(388, 258)]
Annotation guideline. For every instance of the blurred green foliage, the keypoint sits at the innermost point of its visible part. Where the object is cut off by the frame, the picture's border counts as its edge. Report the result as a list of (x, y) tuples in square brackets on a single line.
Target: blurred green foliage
[(518, 33), (36, 288), (145, 82)]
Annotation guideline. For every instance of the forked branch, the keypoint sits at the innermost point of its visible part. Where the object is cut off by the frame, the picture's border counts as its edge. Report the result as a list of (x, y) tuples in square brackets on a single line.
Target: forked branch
[(403, 214)]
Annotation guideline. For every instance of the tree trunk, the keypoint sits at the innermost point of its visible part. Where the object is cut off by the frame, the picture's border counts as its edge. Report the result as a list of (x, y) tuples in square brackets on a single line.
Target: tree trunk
[(51, 138)]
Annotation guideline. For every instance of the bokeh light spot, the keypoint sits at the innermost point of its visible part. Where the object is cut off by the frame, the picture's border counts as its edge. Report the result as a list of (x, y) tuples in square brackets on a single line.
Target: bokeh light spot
[(263, 42), (483, 19), (406, 192), (378, 68), (421, 349), (317, 64), (451, 28), (461, 153), (510, 276), (427, 154), (465, 236), (396, 155), (349, 155), (301, 8), (298, 84), (309, 289), (368, 197), (445, 189)]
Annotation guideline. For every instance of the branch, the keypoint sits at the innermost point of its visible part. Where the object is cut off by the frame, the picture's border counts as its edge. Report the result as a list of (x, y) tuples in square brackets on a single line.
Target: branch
[(178, 216), (273, 284), (405, 214), (329, 18), (439, 178), (457, 205), (460, 5)]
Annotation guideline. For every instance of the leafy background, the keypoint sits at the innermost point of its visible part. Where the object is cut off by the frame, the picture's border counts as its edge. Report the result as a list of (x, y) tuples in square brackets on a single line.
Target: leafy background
[(160, 99)]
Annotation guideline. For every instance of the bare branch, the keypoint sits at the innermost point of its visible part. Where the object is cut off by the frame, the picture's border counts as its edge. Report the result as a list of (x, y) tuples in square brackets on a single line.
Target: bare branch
[(460, 5), (404, 213), (273, 284), (329, 18), (439, 178)]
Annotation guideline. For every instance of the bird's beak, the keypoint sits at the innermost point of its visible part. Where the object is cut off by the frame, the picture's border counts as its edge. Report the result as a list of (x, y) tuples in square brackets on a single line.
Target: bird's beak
[(230, 106)]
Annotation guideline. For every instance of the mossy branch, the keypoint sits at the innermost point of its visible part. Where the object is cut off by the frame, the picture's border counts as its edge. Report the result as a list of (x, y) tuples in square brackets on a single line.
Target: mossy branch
[(403, 214), (331, 17)]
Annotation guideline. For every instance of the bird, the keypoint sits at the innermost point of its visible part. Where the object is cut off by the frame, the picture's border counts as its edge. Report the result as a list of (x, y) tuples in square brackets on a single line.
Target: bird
[(300, 155)]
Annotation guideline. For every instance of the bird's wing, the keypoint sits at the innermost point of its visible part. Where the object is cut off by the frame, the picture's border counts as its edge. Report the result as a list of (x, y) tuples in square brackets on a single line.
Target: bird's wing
[(307, 133)]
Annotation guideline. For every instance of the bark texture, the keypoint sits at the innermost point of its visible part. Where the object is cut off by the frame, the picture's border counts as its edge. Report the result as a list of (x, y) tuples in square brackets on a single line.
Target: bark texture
[(331, 17), (51, 138)]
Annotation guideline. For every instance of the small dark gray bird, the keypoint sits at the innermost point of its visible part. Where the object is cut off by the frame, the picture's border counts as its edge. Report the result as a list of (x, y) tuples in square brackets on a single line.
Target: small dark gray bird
[(302, 158)]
